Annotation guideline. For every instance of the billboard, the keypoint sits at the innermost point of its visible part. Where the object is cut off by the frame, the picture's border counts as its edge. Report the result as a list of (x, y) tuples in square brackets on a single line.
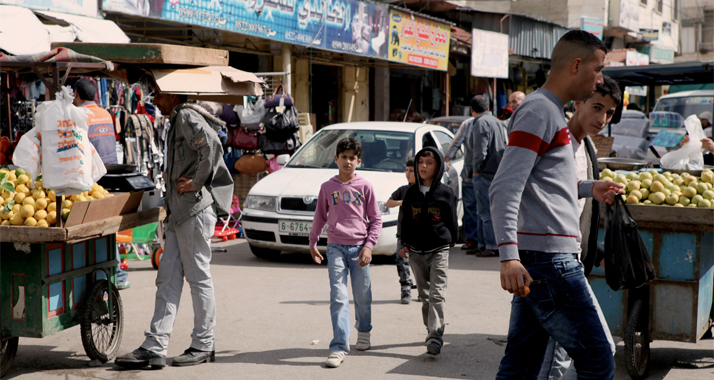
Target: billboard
[(89, 8), (344, 26), (417, 41), (592, 25), (489, 54)]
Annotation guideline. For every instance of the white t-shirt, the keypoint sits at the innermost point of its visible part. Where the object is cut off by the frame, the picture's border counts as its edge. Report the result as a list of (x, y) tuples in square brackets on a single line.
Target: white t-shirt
[(424, 189)]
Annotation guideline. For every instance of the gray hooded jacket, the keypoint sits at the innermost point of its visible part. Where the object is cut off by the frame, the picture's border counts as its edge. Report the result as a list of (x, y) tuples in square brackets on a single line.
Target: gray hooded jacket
[(194, 151)]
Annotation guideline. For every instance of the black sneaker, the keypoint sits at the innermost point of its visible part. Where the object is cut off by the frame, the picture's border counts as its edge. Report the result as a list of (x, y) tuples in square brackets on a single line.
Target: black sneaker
[(141, 358), (406, 297), (193, 356), (433, 347)]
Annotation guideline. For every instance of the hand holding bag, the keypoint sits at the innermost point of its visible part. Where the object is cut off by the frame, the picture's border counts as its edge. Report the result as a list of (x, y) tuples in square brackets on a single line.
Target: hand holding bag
[(274, 100), (627, 262)]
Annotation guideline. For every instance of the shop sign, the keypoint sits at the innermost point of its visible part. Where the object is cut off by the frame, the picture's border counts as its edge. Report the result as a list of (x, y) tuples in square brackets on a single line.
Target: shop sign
[(345, 26), (649, 34), (636, 90), (661, 54), (592, 25), (417, 41), (89, 8), (635, 58), (629, 15), (489, 54), (666, 28)]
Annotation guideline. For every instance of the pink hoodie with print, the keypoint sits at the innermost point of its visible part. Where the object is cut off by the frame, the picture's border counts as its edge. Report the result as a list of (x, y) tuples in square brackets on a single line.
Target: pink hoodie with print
[(351, 212)]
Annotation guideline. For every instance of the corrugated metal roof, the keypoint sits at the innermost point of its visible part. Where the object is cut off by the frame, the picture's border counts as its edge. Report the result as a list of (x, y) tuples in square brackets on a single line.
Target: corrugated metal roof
[(532, 38)]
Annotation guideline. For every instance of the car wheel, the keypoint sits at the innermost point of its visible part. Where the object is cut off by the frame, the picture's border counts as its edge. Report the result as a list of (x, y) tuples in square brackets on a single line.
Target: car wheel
[(264, 253)]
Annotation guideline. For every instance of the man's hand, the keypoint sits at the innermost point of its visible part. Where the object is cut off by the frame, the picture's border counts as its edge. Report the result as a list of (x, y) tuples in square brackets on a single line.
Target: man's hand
[(513, 274), (605, 190), (185, 185), (316, 256), (404, 252), (708, 144), (365, 256), (447, 159), (684, 140)]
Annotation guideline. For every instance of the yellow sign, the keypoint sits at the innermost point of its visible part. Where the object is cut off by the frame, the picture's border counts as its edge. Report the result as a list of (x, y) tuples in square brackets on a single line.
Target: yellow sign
[(418, 41)]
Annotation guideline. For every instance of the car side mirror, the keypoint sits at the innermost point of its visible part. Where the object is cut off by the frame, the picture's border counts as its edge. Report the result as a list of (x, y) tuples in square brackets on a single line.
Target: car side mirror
[(283, 159)]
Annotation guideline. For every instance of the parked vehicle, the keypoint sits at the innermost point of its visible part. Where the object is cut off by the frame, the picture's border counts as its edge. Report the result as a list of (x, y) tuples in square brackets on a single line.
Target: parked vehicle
[(451, 123), (671, 110), (279, 209)]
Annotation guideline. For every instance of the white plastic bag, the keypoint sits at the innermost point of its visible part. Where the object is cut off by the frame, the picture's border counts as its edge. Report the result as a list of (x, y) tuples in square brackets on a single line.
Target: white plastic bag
[(28, 155), (251, 115), (67, 160), (689, 156)]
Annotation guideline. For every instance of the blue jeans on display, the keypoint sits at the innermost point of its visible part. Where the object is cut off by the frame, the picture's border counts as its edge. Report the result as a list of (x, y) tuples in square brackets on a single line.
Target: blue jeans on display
[(341, 263), (559, 305), (470, 219), (483, 204)]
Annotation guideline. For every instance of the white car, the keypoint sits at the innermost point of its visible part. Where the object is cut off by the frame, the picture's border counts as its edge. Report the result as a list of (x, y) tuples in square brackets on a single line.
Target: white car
[(279, 209)]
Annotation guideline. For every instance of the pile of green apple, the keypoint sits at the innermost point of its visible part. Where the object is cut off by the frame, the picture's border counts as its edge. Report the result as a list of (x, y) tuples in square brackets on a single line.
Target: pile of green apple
[(655, 188)]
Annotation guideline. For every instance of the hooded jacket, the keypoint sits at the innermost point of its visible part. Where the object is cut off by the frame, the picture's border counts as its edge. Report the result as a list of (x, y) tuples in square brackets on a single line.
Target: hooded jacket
[(429, 223), (194, 151)]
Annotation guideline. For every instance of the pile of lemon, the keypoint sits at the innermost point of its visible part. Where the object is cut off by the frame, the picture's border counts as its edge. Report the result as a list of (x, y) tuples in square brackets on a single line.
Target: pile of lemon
[(672, 189), (30, 204)]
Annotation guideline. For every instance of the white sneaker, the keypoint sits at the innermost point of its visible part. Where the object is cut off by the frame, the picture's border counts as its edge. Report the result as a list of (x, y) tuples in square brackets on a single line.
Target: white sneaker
[(362, 341), (335, 359)]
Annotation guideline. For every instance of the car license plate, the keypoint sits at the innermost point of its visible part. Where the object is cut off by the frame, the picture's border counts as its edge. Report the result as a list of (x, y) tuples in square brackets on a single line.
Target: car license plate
[(294, 228)]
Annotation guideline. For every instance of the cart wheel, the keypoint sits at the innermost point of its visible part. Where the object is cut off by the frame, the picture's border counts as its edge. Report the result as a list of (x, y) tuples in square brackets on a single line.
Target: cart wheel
[(102, 330), (637, 342), (156, 257), (7, 353)]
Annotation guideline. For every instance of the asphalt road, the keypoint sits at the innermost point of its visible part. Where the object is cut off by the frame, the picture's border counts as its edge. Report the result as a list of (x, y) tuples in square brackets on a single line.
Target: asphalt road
[(274, 323)]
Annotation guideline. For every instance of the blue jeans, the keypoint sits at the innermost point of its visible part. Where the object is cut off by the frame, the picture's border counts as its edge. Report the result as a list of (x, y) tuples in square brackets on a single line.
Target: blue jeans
[(341, 262), (559, 305), (483, 205), (470, 219)]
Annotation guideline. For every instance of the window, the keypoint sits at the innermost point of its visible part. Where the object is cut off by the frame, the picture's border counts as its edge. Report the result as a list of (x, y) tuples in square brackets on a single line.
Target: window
[(688, 39), (675, 10), (660, 5), (643, 2)]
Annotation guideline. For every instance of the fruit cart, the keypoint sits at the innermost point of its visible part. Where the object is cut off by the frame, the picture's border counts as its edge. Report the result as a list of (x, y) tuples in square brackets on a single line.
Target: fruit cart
[(677, 304), (54, 278)]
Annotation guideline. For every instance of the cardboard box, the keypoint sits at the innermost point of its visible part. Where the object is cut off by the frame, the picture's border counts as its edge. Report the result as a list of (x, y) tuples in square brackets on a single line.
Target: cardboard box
[(98, 209)]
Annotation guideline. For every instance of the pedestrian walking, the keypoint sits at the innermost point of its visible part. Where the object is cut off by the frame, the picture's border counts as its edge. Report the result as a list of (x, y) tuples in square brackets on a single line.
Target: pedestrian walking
[(535, 216), (488, 141), (395, 200), (197, 181), (590, 117), (348, 205), (469, 221), (429, 229)]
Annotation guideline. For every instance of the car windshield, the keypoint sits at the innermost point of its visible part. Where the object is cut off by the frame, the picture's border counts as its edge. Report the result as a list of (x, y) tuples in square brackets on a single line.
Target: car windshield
[(381, 150), (686, 106)]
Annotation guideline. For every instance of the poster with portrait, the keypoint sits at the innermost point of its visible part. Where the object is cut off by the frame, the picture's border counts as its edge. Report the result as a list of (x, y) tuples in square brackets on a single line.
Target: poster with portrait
[(417, 41)]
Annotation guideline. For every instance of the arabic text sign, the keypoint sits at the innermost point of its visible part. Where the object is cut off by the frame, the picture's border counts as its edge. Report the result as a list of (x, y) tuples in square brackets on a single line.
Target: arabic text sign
[(346, 26), (592, 25), (489, 54), (417, 41)]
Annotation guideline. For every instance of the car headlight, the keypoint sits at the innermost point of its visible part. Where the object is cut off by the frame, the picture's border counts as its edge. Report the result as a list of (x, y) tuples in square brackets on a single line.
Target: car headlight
[(383, 209), (259, 202)]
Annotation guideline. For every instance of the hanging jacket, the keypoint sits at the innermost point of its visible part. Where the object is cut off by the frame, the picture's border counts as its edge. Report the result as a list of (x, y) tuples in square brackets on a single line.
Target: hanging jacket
[(194, 152)]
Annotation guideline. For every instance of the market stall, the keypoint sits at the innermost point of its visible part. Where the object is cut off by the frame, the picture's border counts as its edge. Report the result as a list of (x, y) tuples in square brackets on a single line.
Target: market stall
[(675, 218)]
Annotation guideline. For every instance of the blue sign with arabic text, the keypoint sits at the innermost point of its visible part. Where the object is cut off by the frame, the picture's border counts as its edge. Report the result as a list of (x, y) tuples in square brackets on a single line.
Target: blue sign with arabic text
[(345, 26)]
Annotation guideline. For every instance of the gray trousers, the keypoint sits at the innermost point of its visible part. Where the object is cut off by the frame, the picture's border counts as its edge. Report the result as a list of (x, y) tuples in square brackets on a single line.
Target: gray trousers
[(403, 268), (187, 253), (430, 274)]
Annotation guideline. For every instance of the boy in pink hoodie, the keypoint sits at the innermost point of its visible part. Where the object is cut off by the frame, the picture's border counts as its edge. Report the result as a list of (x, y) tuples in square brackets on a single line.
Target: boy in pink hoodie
[(349, 206)]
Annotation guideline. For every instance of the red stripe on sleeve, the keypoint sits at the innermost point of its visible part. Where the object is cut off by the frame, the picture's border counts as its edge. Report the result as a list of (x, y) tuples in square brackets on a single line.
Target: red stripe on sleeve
[(561, 138), (528, 141)]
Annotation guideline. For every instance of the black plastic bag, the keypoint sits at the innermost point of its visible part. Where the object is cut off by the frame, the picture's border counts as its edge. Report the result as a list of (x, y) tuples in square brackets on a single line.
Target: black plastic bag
[(627, 262)]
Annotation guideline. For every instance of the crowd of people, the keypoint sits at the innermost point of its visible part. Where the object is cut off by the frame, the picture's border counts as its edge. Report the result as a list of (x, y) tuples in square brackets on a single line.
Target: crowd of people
[(531, 196)]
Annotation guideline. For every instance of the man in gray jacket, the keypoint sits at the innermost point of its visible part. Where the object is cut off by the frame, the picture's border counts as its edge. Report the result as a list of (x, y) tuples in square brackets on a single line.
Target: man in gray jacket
[(487, 142), (196, 180)]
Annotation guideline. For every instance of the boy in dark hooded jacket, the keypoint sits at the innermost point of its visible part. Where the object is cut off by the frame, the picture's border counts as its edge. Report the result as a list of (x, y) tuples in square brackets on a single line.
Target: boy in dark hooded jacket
[(429, 229)]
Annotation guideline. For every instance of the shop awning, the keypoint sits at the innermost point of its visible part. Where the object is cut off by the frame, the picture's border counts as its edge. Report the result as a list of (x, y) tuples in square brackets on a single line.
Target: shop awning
[(88, 29), (22, 32), (223, 84)]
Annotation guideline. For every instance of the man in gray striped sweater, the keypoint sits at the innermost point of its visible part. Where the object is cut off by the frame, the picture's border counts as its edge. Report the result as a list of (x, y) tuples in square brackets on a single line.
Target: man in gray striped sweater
[(536, 221)]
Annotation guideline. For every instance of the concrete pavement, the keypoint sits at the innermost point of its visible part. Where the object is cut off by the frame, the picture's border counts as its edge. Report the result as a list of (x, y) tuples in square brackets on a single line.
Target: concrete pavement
[(274, 323)]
